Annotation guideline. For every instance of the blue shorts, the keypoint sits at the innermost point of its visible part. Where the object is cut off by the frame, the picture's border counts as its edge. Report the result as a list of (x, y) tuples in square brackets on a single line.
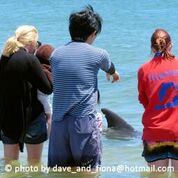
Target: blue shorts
[(160, 151), (75, 141), (36, 133)]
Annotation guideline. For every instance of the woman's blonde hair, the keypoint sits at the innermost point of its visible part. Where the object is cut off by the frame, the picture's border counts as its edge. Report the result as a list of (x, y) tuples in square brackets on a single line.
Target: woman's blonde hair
[(24, 35)]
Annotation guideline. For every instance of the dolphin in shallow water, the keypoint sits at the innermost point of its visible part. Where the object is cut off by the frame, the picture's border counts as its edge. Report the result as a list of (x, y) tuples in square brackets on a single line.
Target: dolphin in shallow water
[(117, 126)]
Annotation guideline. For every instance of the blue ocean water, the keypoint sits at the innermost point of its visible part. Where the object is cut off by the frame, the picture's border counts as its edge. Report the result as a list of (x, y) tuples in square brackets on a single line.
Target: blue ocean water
[(127, 28)]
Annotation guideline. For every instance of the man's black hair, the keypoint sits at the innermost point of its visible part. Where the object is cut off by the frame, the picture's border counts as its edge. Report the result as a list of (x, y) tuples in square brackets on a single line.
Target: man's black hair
[(83, 23)]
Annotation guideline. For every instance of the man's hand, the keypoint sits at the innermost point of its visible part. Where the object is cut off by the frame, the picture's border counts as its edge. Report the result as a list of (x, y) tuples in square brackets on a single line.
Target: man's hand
[(115, 77)]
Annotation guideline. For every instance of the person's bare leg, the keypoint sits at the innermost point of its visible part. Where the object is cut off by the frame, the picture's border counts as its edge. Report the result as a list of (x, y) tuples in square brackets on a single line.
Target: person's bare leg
[(159, 167), (11, 152), (34, 152), (174, 166)]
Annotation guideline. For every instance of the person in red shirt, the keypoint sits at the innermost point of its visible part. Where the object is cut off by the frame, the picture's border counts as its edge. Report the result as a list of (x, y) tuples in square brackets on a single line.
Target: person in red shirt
[(158, 93)]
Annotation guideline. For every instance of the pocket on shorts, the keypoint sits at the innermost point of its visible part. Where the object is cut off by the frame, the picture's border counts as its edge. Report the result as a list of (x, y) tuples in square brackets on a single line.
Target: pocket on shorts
[(85, 125), (37, 127)]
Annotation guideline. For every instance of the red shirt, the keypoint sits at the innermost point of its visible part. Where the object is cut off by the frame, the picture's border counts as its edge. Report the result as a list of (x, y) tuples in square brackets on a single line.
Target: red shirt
[(158, 92)]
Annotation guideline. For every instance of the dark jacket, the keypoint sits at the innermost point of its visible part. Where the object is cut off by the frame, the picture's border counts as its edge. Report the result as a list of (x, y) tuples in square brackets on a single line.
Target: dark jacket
[(20, 76)]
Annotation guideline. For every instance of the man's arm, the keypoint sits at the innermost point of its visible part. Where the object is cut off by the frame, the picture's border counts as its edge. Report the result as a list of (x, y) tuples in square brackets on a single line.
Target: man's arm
[(109, 68)]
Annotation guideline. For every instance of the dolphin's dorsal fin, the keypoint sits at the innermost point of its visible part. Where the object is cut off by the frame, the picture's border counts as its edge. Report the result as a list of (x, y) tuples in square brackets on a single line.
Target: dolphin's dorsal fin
[(115, 121)]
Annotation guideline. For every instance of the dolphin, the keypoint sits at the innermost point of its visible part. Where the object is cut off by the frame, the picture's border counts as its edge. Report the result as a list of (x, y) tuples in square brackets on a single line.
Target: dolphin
[(117, 125)]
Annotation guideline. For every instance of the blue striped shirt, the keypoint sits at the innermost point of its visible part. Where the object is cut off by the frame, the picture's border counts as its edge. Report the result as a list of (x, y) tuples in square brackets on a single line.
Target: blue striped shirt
[(74, 70)]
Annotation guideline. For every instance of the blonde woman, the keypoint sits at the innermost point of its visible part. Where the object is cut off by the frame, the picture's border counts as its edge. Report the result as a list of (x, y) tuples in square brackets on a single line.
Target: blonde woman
[(22, 117)]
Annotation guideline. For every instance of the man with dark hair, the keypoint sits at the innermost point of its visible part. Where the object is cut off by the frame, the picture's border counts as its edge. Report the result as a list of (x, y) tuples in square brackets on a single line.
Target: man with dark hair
[(82, 24), (75, 138)]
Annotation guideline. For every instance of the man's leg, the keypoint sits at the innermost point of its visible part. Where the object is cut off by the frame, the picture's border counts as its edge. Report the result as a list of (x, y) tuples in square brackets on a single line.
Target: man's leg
[(85, 141), (59, 149)]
